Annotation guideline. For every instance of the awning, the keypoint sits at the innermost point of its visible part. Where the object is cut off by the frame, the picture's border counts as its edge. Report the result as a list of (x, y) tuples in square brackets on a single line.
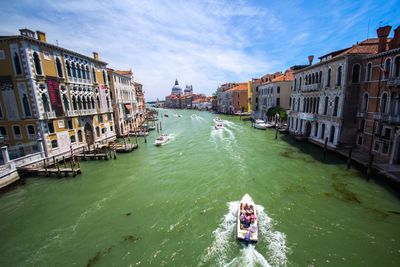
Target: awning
[(128, 107)]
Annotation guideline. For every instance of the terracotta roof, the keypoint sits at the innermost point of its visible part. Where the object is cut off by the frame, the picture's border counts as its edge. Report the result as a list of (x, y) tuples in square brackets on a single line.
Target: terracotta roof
[(124, 72), (240, 87), (287, 76)]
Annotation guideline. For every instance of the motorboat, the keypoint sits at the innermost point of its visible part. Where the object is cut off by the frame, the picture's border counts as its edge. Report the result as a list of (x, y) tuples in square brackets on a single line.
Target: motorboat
[(166, 115), (179, 115), (217, 119), (161, 140), (247, 229), (260, 124), (218, 125)]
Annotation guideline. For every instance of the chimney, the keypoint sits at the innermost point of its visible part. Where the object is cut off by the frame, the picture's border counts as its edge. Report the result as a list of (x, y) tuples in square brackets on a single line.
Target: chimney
[(310, 59), (41, 36), (383, 33), (395, 43), (96, 56)]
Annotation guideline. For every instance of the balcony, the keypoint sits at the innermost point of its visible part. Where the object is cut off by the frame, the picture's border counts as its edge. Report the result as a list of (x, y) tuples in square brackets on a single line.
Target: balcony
[(49, 115), (377, 116), (394, 119), (88, 111), (361, 114), (73, 113), (393, 82), (312, 87)]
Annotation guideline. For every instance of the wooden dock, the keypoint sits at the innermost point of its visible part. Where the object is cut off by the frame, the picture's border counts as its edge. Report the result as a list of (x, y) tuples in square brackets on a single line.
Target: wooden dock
[(125, 148), (53, 167)]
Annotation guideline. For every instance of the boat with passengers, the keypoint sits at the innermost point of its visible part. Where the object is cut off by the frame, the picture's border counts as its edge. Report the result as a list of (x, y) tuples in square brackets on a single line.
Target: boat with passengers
[(247, 230)]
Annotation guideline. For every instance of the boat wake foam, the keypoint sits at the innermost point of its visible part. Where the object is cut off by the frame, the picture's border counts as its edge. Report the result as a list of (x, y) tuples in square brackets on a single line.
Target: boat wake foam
[(223, 250)]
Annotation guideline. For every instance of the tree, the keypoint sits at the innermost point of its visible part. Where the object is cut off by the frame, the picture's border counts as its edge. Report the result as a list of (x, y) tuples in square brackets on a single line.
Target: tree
[(271, 112)]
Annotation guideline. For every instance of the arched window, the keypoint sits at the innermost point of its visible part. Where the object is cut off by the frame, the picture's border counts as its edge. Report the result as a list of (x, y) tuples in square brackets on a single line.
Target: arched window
[(316, 77), (84, 102), (72, 139), (298, 104), (36, 60), (83, 72), (388, 64), (104, 77), (323, 131), (313, 79), (27, 108), (316, 129), (94, 75), (73, 69), (356, 74), (328, 80), (326, 105), (74, 104), (383, 102), (317, 108), (59, 68), (108, 102), (394, 104), (80, 139), (295, 84), (45, 103), (339, 76), (368, 72), (332, 134), (397, 67), (17, 64), (87, 73), (320, 76), (336, 106), (65, 102), (300, 81), (88, 102), (68, 68), (98, 102), (365, 103), (93, 106), (79, 103), (54, 144), (304, 105), (78, 69), (98, 131)]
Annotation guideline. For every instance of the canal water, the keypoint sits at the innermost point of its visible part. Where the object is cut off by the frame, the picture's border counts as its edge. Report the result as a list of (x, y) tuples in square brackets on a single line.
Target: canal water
[(175, 205)]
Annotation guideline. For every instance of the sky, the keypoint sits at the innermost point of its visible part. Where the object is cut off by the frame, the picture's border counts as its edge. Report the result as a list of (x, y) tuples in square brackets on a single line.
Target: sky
[(204, 43)]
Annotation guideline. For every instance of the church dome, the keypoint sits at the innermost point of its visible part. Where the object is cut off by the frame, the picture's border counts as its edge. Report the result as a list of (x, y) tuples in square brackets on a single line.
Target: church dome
[(176, 90)]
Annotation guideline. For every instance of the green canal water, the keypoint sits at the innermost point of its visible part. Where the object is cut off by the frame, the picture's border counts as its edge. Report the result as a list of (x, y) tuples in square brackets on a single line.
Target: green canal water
[(175, 205)]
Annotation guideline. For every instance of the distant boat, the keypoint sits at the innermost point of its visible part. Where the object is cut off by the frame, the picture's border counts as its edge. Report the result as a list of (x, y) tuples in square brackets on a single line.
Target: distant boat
[(260, 124), (166, 115), (161, 140), (247, 220), (218, 125), (179, 115)]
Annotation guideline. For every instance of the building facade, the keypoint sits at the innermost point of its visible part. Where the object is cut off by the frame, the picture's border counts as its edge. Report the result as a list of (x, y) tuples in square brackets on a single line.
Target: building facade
[(124, 100), (378, 116), (141, 105), (325, 96), (53, 93)]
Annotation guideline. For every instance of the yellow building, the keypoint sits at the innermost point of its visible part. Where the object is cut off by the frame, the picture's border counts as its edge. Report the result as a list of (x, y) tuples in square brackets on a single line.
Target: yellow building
[(50, 92)]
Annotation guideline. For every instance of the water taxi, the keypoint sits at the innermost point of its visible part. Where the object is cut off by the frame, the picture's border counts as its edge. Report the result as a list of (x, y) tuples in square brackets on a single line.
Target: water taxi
[(247, 230), (161, 140), (217, 119)]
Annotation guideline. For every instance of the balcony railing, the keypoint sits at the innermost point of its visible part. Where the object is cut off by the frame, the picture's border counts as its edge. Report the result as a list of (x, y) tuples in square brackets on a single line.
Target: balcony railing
[(73, 113), (361, 114), (394, 119), (393, 82), (49, 115), (312, 87)]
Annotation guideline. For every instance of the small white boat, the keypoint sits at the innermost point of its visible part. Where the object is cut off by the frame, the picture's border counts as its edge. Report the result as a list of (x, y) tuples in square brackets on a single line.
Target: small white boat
[(218, 125), (247, 229), (217, 119), (161, 140), (260, 124), (179, 115)]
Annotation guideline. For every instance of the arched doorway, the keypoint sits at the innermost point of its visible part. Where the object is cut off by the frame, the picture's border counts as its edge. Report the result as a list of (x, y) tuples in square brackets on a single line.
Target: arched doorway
[(332, 134), (308, 129), (89, 134)]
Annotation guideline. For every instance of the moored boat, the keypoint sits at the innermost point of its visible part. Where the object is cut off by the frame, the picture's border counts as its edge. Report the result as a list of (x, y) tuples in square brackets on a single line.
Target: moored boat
[(161, 140), (247, 229), (260, 124)]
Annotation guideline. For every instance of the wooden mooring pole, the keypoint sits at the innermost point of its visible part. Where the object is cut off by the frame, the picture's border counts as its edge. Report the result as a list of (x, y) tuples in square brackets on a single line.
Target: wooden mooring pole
[(349, 157), (369, 167), (276, 132), (325, 146)]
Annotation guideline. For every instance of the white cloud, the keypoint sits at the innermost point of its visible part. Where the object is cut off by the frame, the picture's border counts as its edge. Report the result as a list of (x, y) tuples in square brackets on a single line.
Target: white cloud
[(199, 42)]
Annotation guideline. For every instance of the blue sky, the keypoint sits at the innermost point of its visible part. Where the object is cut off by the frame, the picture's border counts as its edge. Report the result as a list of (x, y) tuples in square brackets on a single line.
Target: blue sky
[(203, 43)]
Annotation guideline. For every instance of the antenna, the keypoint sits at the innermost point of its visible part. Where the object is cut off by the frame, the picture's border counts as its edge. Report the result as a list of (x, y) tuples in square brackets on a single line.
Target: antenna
[(369, 20)]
